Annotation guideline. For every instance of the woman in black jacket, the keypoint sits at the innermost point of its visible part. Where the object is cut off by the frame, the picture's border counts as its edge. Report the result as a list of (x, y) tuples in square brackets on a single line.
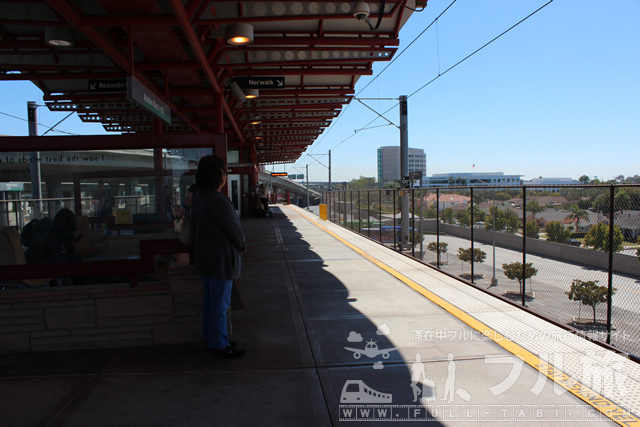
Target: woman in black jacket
[(220, 242)]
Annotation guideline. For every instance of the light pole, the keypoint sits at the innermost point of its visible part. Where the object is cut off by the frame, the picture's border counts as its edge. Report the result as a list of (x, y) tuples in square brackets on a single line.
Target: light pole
[(494, 279)]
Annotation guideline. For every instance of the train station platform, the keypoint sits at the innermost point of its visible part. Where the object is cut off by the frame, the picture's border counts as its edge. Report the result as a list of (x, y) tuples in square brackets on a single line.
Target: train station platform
[(338, 329)]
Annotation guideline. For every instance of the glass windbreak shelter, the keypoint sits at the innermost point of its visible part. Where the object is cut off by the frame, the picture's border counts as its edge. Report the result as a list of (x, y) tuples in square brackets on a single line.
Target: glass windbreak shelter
[(78, 216)]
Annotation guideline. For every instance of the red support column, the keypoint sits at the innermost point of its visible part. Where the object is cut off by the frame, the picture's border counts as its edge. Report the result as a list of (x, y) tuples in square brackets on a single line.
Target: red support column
[(158, 166)]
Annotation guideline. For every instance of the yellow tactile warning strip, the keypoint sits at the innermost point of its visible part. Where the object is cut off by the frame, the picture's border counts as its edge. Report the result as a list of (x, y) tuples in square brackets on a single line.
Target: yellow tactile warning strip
[(603, 404)]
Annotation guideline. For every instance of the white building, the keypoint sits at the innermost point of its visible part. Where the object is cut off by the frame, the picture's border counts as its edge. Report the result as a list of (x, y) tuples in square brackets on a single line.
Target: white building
[(469, 179), (389, 162), (550, 181)]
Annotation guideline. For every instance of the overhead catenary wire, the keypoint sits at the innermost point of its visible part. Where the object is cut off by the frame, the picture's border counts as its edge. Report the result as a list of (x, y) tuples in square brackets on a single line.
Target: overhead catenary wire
[(49, 128), (396, 57), (448, 69), (482, 47)]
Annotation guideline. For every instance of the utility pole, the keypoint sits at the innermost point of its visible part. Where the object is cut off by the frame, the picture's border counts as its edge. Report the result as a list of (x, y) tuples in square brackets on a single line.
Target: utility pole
[(307, 176), (329, 170), (404, 172), (34, 159)]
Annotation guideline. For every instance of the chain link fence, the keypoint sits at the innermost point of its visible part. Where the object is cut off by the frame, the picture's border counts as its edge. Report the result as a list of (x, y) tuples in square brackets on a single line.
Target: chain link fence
[(569, 253)]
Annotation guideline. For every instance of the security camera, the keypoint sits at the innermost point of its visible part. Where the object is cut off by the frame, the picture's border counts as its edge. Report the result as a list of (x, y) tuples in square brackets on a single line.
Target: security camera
[(361, 11)]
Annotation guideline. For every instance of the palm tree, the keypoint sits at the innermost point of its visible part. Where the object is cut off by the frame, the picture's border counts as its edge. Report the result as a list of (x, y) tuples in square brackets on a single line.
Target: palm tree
[(577, 214)]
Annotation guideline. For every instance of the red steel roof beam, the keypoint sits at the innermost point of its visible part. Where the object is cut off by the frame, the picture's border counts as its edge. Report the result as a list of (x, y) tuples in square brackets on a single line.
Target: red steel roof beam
[(62, 8), (194, 42), (304, 71)]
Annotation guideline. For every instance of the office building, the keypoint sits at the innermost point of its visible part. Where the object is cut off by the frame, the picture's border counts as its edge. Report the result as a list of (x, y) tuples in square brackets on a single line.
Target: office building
[(389, 162), (470, 179), (550, 181)]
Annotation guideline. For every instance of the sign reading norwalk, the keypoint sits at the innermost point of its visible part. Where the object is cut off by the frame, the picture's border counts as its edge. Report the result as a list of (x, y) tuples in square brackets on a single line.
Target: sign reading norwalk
[(260, 82), (139, 94)]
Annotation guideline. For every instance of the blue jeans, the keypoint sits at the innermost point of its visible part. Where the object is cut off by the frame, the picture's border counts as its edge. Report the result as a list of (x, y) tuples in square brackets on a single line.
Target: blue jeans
[(217, 299)]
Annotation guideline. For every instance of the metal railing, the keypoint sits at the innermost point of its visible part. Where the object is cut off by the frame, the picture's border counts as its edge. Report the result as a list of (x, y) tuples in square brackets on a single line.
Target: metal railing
[(568, 253)]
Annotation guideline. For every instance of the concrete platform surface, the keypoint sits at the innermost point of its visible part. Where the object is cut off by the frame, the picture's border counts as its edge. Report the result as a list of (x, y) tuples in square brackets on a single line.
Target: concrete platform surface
[(338, 330)]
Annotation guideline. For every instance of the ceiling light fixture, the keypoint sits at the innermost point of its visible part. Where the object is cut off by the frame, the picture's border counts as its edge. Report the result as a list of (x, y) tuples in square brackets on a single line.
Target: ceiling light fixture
[(239, 33), (251, 93), (58, 36), (236, 91)]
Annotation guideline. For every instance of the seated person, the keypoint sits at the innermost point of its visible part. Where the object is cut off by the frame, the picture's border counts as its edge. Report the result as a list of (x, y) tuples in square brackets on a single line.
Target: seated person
[(61, 242), (50, 242)]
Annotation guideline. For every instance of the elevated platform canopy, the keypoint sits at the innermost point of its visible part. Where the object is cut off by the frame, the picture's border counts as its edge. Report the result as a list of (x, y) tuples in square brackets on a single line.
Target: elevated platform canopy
[(105, 59)]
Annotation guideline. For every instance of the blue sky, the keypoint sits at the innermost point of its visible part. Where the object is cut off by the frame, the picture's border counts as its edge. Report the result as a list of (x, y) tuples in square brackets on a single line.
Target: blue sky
[(557, 96)]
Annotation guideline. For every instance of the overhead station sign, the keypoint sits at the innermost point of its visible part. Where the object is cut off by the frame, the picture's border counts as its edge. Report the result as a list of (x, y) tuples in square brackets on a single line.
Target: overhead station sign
[(108, 85), (11, 186), (260, 82), (139, 94)]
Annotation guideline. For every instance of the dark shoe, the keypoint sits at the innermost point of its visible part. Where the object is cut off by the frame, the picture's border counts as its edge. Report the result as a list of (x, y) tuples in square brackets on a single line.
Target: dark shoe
[(228, 352), (231, 343)]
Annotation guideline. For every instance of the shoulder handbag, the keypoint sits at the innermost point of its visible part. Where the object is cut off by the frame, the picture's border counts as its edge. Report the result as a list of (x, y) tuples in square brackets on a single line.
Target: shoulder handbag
[(187, 233)]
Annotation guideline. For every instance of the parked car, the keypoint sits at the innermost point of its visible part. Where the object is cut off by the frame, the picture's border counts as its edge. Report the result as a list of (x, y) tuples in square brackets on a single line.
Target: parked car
[(573, 242)]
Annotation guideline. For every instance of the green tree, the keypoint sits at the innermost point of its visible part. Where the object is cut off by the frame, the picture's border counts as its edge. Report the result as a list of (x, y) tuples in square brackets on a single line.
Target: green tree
[(535, 208), (533, 229), (572, 194), (447, 216), (501, 219), (362, 183), (634, 198), (464, 218), (589, 293), (465, 255), (584, 179), (478, 214), (576, 214), (557, 233), (429, 212), (513, 223), (441, 248), (601, 203), (513, 271), (598, 238), (391, 183), (584, 204), (622, 201), (503, 196)]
